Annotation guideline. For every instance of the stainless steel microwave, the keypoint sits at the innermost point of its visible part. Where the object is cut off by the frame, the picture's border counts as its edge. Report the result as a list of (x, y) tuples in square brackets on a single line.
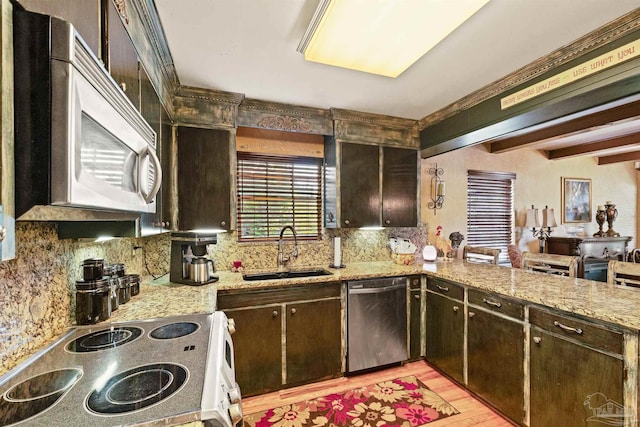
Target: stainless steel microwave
[(79, 141)]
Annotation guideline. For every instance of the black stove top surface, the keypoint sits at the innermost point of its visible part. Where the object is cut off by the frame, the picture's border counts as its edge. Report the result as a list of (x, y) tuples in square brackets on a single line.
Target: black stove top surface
[(106, 375)]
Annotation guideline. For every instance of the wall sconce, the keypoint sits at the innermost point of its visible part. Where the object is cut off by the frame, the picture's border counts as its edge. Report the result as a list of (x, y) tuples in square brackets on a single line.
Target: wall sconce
[(548, 221), (437, 189)]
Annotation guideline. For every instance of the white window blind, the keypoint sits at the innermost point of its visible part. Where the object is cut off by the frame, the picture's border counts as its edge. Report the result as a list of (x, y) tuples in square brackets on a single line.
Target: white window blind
[(274, 191), (490, 215)]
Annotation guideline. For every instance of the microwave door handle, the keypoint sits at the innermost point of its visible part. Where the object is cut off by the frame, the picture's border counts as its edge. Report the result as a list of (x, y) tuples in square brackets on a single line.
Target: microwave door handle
[(148, 197)]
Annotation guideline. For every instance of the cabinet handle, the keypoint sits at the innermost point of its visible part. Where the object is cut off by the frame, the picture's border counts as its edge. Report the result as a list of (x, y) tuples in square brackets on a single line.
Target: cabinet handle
[(493, 303), (442, 288), (275, 313), (346, 221), (471, 314), (293, 311), (537, 340), (416, 296), (123, 86), (456, 308), (387, 222), (567, 328)]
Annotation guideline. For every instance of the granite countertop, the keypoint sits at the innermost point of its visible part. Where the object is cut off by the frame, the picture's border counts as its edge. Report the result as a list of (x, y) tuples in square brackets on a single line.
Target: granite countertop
[(588, 298)]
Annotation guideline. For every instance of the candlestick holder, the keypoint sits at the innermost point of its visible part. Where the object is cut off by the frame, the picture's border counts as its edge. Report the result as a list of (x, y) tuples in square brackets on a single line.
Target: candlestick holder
[(601, 217), (612, 214)]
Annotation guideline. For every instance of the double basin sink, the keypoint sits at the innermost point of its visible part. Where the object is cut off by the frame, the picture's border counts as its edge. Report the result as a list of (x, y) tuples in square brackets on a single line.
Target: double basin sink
[(287, 274)]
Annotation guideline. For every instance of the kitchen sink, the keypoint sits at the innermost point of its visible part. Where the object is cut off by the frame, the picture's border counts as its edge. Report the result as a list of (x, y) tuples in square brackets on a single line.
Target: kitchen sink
[(287, 274)]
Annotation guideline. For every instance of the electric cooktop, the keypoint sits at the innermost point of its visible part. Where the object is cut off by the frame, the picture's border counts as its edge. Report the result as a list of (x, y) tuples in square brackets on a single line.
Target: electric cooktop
[(116, 374)]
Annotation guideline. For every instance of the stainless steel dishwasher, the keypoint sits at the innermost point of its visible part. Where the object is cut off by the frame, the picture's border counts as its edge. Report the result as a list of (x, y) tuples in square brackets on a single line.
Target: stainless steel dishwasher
[(376, 322)]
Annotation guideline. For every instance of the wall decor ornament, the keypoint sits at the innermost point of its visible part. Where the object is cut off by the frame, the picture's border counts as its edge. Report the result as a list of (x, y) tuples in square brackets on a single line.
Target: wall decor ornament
[(286, 123), (576, 200)]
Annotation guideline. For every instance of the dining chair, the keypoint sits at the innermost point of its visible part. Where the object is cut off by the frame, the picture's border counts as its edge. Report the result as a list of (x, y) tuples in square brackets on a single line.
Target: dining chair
[(563, 265), (623, 273), (481, 254)]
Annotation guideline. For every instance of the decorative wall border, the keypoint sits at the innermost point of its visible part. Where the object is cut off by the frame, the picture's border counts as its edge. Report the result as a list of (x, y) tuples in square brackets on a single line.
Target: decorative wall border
[(589, 42)]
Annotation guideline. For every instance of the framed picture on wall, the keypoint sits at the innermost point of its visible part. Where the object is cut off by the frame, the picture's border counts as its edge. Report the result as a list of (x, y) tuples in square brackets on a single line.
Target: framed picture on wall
[(576, 200)]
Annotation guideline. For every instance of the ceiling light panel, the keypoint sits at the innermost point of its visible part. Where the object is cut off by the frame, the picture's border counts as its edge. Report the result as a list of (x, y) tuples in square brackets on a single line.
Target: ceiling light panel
[(381, 36)]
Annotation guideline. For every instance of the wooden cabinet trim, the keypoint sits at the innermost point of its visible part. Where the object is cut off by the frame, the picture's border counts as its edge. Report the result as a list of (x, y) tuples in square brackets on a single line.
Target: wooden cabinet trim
[(228, 299)]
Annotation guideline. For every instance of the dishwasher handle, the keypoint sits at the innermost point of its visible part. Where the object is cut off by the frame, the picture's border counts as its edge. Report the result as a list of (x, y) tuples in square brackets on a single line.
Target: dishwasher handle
[(376, 289)]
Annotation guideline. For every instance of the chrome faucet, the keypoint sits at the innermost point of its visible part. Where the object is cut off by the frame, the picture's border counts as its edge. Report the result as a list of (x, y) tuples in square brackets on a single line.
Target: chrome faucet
[(282, 259)]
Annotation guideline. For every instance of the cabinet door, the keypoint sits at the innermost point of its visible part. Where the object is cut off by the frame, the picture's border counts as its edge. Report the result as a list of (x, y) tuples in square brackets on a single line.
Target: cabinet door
[(83, 14), (359, 185), (313, 341), (257, 347), (121, 57), (414, 324), (495, 360), (399, 187), (204, 180), (444, 334), (569, 382)]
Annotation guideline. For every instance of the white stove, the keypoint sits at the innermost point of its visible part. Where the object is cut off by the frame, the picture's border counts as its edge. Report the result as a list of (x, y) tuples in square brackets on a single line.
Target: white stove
[(165, 372)]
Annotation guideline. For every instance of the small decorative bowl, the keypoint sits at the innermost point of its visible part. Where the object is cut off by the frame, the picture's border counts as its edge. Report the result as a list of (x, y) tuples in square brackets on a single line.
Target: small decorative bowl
[(403, 259)]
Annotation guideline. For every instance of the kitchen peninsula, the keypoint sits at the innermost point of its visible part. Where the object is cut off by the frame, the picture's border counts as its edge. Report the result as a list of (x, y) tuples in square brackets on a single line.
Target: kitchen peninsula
[(581, 328)]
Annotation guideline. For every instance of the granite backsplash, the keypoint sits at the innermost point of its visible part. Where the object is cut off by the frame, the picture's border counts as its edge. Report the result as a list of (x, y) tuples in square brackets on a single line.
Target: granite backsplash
[(37, 288)]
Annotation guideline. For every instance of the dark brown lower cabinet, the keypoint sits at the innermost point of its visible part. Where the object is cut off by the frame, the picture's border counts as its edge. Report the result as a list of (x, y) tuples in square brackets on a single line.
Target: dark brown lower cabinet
[(444, 334), (495, 355), (415, 300), (569, 382), (257, 345), (309, 320), (313, 344)]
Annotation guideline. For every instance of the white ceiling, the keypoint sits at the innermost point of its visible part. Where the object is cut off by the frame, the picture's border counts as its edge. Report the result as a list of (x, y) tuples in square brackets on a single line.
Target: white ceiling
[(249, 47)]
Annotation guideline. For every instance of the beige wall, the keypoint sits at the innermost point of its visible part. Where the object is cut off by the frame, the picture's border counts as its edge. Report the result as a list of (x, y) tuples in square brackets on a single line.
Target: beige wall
[(538, 182)]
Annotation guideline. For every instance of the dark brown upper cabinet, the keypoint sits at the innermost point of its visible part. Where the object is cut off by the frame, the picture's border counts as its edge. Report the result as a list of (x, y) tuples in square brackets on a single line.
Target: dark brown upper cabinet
[(85, 15), (373, 185), (120, 55), (399, 187), (359, 185), (204, 178)]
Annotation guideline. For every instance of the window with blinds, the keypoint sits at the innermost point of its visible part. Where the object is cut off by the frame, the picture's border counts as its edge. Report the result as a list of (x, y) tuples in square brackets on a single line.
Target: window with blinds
[(274, 191), (490, 214)]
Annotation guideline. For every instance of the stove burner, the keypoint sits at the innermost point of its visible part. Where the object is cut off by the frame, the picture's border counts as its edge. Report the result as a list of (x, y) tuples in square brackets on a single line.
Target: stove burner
[(36, 394), (137, 388), (174, 330), (104, 339)]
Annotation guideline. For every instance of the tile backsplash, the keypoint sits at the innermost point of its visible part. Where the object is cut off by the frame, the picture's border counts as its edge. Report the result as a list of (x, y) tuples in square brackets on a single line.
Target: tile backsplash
[(37, 288)]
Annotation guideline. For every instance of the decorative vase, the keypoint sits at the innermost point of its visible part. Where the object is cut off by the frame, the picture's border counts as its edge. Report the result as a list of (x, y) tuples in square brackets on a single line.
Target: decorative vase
[(601, 217), (612, 214)]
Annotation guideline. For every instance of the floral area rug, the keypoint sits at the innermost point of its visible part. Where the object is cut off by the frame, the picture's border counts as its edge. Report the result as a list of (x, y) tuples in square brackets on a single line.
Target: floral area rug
[(403, 402)]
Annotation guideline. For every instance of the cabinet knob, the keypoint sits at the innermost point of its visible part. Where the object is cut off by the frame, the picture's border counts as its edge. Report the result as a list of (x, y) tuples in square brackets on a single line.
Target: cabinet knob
[(471, 314), (293, 311), (231, 326), (387, 222), (3, 233), (275, 313), (537, 340), (416, 296), (123, 86), (456, 308), (346, 221), (223, 223)]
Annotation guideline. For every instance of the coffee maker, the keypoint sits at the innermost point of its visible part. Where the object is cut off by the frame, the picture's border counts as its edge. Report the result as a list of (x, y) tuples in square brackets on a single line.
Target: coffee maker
[(189, 264)]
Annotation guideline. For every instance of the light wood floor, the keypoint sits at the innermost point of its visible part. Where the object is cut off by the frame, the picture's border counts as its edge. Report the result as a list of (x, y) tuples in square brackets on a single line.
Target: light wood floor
[(472, 411)]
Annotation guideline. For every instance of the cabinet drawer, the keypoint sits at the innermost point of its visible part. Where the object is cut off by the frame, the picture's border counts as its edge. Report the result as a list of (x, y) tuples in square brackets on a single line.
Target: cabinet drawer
[(444, 287), (227, 299), (585, 332), (496, 303)]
